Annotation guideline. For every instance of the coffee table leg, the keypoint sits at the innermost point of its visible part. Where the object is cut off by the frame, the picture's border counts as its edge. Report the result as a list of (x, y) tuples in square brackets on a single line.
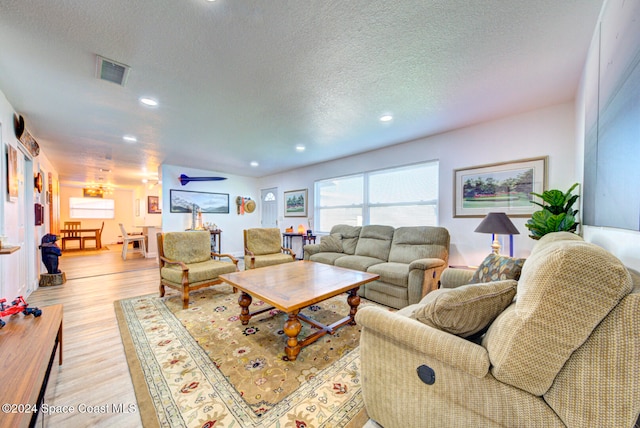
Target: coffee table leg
[(353, 300), (292, 327), (245, 301)]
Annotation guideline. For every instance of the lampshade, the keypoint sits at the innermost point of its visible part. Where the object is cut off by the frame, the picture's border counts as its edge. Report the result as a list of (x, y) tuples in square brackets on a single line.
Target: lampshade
[(497, 223)]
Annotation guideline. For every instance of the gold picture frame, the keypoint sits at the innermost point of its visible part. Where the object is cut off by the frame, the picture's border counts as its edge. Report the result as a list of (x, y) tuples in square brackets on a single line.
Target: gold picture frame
[(499, 187)]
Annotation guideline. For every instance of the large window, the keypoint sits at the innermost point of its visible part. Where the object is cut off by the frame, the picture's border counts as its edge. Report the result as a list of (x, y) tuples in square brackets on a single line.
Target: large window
[(404, 196), (91, 208)]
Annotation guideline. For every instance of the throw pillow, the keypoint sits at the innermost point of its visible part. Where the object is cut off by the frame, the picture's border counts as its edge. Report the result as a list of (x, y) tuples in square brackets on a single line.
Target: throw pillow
[(331, 243), (497, 268), (466, 310)]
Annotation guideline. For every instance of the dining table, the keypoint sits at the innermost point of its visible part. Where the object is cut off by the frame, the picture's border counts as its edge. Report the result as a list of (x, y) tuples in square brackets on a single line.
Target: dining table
[(94, 231)]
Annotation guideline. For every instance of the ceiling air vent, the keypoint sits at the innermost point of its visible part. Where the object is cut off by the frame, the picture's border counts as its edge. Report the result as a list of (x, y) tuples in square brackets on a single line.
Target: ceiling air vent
[(111, 71)]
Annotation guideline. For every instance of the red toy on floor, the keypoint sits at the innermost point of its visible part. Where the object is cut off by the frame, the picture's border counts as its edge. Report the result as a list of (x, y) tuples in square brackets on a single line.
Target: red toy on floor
[(18, 305)]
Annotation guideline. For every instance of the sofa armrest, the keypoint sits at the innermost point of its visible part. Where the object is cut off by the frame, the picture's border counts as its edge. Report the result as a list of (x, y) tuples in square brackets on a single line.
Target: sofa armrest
[(447, 348), (426, 279), (311, 249), (452, 277), (425, 264)]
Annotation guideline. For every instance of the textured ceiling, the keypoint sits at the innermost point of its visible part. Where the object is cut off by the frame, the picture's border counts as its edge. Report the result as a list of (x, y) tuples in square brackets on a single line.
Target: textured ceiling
[(241, 81)]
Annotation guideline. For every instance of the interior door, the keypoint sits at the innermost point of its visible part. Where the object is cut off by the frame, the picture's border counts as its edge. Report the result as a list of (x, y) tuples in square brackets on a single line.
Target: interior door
[(269, 202)]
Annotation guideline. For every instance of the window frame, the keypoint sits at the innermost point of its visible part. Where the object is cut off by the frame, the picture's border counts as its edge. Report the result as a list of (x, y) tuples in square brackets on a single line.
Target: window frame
[(366, 206), (73, 206)]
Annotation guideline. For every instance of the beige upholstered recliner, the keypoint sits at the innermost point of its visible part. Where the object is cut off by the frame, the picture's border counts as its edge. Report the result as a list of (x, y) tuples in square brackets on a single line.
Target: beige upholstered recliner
[(187, 263), (565, 353), (262, 248)]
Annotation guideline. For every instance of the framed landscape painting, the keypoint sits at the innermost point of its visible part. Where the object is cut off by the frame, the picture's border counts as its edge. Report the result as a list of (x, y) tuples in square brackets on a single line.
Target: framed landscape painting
[(183, 201), (500, 187), (295, 203), (12, 172)]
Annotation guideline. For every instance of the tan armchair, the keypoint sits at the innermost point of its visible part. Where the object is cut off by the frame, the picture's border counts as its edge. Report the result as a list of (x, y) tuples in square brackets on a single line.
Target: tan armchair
[(187, 263), (565, 353), (262, 248)]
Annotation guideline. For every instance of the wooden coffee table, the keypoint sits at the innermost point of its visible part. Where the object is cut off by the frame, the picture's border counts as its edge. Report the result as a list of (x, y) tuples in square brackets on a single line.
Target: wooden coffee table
[(293, 286)]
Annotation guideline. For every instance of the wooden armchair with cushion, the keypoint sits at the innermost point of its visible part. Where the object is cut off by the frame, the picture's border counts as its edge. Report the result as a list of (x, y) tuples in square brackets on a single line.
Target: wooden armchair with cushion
[(262, 248), (187, 263)]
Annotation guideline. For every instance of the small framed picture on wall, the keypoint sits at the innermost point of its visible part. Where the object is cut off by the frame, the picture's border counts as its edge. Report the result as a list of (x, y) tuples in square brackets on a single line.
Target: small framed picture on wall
[(295, 203), (153, 205)]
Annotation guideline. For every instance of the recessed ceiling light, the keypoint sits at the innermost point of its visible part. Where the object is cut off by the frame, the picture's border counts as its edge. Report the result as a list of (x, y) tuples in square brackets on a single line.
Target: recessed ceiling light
[(386, 118), (254, 164), (149, 102), (144, 180), (130, 139), (300, 148)]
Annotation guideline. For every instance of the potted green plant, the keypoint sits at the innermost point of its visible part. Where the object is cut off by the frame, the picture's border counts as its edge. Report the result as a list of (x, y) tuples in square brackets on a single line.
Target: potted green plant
[(557, 213)]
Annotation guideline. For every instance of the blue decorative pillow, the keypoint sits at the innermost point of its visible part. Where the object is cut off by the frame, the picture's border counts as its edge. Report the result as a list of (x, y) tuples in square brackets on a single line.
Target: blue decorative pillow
[(497, 268)]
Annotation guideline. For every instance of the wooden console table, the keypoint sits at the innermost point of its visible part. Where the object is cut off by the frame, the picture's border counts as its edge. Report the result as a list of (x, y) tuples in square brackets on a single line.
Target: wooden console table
[(28, 348), (287, 241), (216, 241)]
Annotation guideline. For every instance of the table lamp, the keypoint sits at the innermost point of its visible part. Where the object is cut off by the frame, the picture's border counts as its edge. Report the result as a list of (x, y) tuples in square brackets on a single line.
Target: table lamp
[(498, 224)]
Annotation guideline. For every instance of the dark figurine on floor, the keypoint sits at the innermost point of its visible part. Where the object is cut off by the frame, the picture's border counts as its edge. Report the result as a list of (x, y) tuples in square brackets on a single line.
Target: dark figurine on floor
[(50, 253)]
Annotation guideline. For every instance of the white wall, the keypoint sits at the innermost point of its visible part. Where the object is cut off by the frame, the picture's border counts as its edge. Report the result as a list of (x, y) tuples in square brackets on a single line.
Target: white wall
[(142, 217), (20, 271), (545, 132), (231, 224)]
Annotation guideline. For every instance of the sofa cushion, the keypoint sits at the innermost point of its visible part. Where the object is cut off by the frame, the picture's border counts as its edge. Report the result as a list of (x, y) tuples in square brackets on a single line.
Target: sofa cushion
[(360, 263), (497, 268), (326, 258), (565, 290), (264, 241), (419, 242), (198, 272), (375, 241), (350, 235), (187, 247), (392, 273), (272, 259), (466, 310), (331, 243)]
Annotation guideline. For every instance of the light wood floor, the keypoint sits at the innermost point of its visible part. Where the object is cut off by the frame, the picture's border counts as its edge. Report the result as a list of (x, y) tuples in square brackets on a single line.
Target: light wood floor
[(94, 371)]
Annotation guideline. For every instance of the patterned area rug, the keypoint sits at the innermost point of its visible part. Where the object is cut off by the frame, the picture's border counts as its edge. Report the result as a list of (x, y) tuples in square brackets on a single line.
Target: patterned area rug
[(200, 367)]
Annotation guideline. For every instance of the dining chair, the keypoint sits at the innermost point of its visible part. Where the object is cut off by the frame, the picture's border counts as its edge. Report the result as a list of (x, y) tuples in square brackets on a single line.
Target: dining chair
[(127, 239), (71, 235), (97, 237)]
